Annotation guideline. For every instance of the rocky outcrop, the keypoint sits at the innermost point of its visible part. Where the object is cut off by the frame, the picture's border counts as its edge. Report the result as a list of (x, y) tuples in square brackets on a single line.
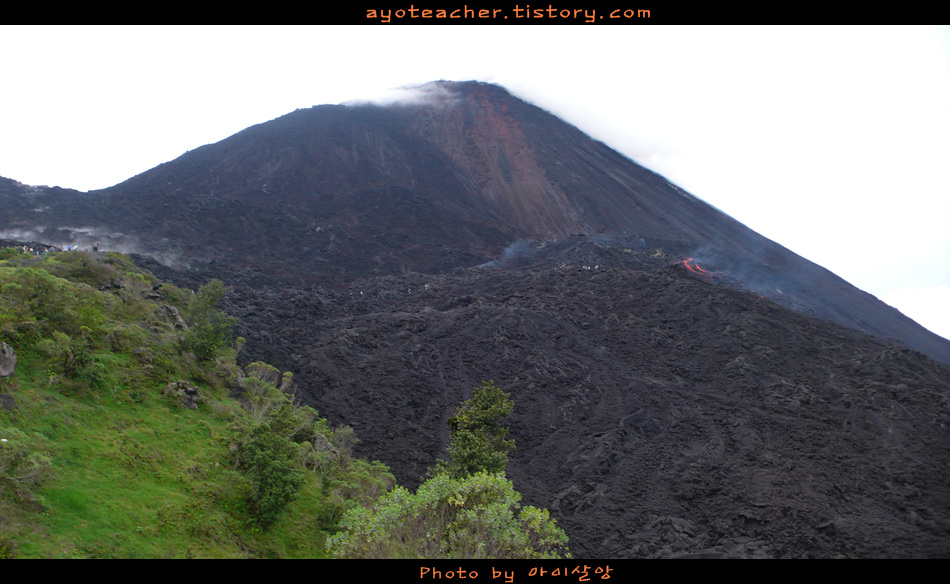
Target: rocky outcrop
[(189, 395), (7, 360)]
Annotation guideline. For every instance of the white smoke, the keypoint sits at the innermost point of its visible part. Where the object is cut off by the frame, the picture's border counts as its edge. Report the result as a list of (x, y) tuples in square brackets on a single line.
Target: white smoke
[(86, 237), (22, 234), (516, 251), (429, 94)]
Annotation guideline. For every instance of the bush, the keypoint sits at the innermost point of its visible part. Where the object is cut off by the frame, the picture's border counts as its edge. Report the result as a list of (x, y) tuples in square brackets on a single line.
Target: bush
[(13, 253), (475, 517), (24, 465)]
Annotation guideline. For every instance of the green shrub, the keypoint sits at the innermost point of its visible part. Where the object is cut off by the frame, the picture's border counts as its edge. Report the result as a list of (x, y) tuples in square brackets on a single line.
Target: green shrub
[(12, 253), (271, 465), (24, 464), (269, 456), (81, 266), (209, 329), (264, 372), (475, 517)]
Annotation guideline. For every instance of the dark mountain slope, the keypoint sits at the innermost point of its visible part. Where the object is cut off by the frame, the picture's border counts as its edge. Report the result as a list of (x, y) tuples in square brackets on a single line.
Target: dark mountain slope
[(657, 413)]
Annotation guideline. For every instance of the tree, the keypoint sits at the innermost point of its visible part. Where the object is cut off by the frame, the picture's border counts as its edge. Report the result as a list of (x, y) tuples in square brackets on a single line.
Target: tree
[(466, 509), (209, 329), (269, 457), (478, 440)]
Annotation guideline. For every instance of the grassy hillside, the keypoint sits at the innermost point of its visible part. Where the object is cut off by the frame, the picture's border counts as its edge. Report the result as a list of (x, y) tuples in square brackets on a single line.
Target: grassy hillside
[(128, 430)]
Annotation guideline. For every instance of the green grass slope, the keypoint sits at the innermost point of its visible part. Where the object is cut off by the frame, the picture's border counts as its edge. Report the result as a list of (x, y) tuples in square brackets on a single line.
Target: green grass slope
[(127, 430)]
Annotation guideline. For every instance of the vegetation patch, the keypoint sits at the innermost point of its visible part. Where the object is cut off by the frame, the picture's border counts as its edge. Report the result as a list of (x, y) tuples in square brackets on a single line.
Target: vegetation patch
[(127, 429)]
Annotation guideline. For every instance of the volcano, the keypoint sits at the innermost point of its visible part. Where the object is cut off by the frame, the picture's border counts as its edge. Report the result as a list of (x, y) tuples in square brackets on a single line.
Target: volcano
[(684, 387)]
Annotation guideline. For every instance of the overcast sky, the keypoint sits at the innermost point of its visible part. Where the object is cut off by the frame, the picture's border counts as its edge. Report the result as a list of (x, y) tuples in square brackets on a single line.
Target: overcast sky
[(833, 141)]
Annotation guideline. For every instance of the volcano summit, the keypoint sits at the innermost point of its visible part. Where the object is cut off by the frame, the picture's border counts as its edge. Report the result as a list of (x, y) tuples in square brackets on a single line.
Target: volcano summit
[(683, 385), (446, 180)]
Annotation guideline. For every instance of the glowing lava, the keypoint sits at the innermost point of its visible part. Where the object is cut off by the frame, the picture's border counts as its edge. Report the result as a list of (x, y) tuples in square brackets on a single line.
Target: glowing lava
[(694, 267)]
